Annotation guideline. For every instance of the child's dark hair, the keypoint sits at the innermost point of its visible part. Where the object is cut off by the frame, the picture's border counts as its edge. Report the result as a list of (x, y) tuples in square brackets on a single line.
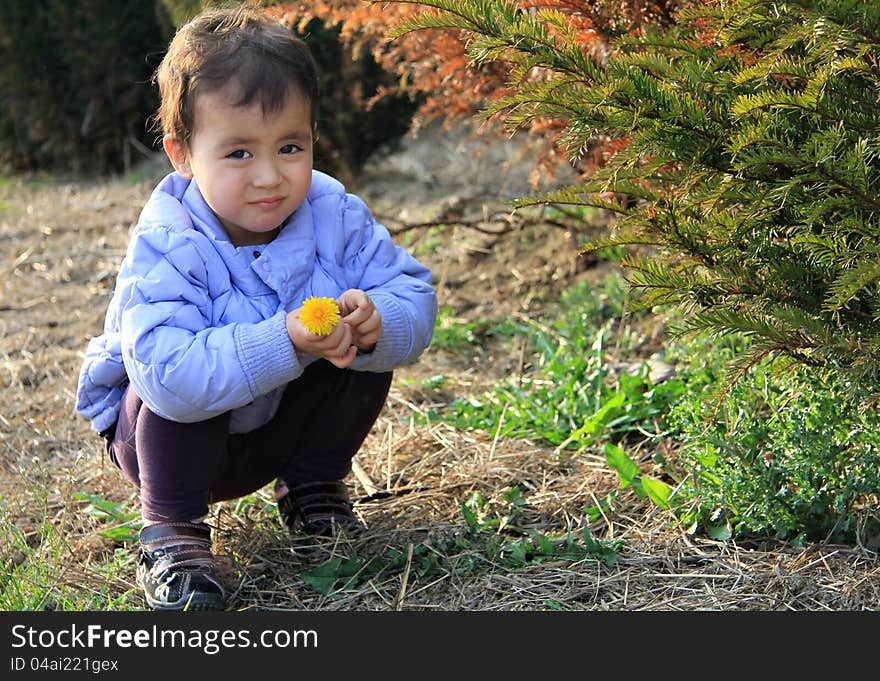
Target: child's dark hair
[(241, 46)]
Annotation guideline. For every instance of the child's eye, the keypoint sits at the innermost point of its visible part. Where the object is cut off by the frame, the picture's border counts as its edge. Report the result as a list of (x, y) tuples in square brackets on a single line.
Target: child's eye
[(238, 153), (289, 149)]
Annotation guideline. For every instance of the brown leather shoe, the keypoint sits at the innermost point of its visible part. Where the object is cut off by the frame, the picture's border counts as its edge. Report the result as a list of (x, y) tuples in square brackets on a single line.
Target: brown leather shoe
[(176, 568), (316, 508)]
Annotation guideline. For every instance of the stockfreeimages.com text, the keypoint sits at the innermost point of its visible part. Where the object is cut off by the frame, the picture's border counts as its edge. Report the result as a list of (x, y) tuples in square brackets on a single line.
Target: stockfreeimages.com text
[(210, 641)]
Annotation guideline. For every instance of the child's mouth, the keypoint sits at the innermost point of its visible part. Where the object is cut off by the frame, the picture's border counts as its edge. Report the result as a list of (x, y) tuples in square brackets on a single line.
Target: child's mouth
[(268, 203)]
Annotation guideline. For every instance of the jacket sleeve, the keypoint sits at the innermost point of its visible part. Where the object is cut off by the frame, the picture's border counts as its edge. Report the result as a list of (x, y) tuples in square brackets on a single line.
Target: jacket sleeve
[(181, 365), (399, 286)]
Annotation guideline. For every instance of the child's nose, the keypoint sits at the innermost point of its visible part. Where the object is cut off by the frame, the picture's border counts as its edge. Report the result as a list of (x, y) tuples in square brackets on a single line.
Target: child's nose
[(266, 174)]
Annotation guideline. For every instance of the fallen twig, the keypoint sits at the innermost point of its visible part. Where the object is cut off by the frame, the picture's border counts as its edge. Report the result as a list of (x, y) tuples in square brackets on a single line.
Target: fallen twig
[(510, 221)]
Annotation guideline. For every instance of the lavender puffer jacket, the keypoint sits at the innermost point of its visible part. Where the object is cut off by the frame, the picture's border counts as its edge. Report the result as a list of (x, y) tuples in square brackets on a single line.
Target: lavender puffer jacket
[(196, 325)]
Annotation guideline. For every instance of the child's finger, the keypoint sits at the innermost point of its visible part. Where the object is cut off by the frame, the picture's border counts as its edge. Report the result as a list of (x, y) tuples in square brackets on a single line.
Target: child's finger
[(364, 310), (346, 341), (356, 318), (351, 300), (372, 322), (371, 326), (344, 361), (369, 339)]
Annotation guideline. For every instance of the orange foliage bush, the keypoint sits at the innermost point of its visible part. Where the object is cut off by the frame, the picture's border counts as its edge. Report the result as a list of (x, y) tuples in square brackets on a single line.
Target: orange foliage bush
[(434, 65)]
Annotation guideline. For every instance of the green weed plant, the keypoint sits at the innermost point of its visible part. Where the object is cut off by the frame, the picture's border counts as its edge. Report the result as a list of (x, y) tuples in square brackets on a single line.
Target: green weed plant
[(490, 539), (571, 397), (790, 457), (455, 335)]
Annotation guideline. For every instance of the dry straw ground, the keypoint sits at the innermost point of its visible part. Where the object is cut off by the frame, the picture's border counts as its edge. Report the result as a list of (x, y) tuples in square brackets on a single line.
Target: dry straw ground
[(61, 243)]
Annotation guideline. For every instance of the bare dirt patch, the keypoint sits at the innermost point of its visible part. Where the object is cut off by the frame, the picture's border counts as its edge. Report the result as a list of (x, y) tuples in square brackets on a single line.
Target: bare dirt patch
[(61, 245)]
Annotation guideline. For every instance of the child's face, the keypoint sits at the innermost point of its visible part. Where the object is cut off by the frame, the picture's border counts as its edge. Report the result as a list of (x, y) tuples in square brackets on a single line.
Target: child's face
[(253, 170)]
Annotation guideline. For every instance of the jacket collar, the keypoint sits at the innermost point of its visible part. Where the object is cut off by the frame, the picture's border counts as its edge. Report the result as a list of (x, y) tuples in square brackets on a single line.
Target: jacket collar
[(285, 264)]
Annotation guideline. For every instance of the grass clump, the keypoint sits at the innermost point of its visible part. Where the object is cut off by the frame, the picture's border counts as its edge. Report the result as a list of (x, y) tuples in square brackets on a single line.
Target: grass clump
[(39, 568), (458, 336), (571, 395)]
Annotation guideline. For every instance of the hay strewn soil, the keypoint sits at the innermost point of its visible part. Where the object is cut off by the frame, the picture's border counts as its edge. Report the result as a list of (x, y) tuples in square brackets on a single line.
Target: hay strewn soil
[(61, 245)]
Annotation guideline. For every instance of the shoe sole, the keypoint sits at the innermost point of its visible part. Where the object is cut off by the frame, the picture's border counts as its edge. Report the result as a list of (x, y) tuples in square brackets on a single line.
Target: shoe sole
[(197, 602)]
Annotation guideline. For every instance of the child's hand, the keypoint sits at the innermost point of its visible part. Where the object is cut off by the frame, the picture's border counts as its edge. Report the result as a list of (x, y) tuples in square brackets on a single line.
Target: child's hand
[(337, 347), (362, 317)]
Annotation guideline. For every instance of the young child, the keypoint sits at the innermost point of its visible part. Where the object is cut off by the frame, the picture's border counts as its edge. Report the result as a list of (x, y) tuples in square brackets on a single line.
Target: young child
[(205, 383)]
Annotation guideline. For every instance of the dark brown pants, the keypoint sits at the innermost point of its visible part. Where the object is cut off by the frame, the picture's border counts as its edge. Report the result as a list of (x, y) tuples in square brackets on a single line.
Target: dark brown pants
[(323, 419)]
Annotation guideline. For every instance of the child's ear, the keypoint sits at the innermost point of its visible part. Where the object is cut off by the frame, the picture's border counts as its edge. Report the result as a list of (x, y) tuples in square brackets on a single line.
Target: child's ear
[(177, 154)]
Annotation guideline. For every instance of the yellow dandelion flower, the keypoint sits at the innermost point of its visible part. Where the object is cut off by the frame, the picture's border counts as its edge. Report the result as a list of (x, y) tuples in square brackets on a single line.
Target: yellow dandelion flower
[(319, 315)]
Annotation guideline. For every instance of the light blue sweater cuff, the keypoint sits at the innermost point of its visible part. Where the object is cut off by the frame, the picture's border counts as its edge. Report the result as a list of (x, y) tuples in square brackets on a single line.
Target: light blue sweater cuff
[(395, 345), (266, 354)]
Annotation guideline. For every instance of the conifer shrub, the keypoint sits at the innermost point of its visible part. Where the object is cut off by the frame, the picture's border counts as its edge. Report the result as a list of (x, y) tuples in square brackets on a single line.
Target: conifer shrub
[(743, 174), (746, 179), (74, 82)]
